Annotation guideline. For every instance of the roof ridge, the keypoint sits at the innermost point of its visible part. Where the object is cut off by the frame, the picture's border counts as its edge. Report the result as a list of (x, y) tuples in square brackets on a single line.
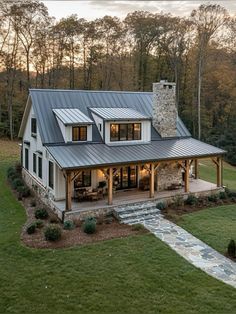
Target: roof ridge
[(86, 91)]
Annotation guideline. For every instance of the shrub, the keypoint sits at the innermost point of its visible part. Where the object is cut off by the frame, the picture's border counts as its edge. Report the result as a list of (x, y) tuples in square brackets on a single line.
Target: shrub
[(222, 195), (38, 223), (52, 232), (231, 248), (138, 227), (33, 202), (230, 193), (191, 200), (31, 228), (10, 172), (89, 225), (178, 200), (161, 205), (17, 182), (23, 190), (69, 225), (213, 198), (41, 213)]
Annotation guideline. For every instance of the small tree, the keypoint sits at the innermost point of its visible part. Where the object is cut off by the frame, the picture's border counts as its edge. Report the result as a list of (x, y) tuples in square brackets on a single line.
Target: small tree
[(231, 248)]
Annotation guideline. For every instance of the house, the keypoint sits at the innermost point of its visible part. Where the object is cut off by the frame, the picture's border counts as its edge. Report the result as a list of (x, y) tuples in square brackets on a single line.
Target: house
[(78, 139)]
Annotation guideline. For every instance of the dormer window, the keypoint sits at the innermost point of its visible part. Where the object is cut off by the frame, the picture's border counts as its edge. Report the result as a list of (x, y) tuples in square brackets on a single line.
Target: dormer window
[(79, 133), (33, 127), (125, 132)]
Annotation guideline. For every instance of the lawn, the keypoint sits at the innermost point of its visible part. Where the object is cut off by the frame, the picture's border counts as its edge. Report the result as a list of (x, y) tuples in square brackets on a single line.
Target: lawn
[(208, 173), (137, 274), (215, 226)]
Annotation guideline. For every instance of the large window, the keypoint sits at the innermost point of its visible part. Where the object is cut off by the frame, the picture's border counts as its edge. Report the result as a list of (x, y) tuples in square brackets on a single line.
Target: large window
[(26, 158), (79, 133), (40, 165), (34, 163), (50, 174), (125, 132), (83, 180), (33, 127)]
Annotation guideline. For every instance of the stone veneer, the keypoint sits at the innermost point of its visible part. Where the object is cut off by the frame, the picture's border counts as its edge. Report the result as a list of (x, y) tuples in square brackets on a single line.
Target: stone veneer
[(167, 175), (164, 109)]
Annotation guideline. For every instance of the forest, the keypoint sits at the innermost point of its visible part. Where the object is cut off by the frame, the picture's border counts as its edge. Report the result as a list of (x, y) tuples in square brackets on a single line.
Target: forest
[(198, 52)]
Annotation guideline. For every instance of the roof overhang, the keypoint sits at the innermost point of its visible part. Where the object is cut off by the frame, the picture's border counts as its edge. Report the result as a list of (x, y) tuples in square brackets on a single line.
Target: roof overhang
[(101, 155)]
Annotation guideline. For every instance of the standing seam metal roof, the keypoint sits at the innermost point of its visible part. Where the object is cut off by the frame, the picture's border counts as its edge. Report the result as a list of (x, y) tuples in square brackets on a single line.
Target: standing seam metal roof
[(72, 116), (44, 101), (93, 155), (119, 114)]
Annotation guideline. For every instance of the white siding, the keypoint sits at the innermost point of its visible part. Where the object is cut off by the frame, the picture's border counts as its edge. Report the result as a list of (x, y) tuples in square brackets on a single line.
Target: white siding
[(98, 121)]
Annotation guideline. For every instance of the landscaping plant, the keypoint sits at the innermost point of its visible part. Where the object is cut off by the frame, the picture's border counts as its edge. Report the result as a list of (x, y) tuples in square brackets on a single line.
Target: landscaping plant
[(52, 232), (68, 225), (31, 228), (231, 248), (41, 213), (89, 225)]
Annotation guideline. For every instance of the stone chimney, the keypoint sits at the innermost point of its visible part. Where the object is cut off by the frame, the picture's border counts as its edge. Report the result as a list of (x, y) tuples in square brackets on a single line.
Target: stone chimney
[(164, 109)]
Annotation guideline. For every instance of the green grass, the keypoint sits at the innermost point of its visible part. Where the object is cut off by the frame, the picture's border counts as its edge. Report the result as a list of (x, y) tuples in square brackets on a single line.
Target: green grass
[(132, 275), (208, 173), (215, 226)]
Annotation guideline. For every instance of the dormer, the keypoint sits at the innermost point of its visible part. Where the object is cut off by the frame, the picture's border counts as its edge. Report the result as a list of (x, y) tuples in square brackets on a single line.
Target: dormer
[(122, 125), (74, 124)]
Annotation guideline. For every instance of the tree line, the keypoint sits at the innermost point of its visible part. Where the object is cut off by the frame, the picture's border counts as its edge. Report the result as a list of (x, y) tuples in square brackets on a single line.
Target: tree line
[(198, 52)]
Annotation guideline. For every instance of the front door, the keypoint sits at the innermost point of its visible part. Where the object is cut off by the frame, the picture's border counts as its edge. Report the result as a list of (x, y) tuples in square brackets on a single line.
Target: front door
[(126, 178)]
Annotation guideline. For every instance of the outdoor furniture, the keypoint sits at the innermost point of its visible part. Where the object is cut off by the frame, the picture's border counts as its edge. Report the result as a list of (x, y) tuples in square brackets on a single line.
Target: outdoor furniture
[(92, 196), (174, 186)]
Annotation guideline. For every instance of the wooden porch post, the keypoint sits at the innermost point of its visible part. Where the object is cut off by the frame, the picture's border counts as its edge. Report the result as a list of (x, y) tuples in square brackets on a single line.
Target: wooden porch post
[(110, 186), (219, 171), (186, 176), (196, 168), (152, 171), (68, 191)]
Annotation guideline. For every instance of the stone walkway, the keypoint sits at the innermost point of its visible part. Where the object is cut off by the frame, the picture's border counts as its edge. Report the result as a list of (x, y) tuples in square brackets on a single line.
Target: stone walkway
[(193, 250)]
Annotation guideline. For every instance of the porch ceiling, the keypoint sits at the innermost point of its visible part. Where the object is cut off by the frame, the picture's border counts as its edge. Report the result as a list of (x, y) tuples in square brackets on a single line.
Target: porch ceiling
[(75, 156)]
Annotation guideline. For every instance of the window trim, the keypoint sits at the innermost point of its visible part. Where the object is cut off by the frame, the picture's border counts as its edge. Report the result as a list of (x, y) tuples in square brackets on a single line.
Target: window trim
[(127, 133), (80, 127)]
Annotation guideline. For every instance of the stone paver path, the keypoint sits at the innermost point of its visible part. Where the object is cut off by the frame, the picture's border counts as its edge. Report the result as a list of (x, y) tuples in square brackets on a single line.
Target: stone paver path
[(193, 250)]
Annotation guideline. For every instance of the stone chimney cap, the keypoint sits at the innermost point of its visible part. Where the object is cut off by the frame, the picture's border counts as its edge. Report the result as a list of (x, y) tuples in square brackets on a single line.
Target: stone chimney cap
[(164, 82)]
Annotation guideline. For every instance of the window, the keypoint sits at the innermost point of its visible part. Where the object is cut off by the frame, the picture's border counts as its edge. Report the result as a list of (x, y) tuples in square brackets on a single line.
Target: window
[(100, 127), (40, 167), (125, 132), (83, 180), (79, 133), (26, 158), (33, 126), (50, 174), (34, 163)]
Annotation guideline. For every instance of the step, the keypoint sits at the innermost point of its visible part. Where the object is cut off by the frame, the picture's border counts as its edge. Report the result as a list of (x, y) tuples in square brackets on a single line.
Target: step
[(143, 212), (140, 219), (134, 207)]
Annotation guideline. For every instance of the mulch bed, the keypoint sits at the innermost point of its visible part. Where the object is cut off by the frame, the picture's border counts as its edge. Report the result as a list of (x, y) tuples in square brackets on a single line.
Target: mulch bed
[(75, 237)]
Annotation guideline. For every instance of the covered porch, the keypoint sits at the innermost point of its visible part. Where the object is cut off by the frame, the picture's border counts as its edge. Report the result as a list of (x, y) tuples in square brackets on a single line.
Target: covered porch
[(124, 197), (190, 183)]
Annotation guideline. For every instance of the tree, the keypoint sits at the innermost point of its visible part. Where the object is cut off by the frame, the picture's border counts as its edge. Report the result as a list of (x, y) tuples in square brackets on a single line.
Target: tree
[(208, 19)]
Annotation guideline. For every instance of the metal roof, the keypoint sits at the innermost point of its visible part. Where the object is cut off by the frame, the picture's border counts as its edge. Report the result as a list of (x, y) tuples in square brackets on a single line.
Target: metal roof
[(71, 116), (44, 100), (110, 114), (94, 155)]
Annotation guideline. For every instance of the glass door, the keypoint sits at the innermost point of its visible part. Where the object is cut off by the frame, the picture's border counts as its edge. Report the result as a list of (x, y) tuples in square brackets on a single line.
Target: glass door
[(126, 178)]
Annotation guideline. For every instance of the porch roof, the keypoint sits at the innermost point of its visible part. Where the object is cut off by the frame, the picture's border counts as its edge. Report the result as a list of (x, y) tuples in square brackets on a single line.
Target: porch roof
[(75, 156)]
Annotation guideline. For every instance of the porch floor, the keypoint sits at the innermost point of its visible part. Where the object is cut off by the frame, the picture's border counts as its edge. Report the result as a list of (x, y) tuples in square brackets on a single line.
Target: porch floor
[(134, 195)]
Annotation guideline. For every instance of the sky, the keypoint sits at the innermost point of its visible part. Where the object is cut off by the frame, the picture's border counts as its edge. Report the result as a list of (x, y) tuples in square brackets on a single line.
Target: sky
[(92, 9)]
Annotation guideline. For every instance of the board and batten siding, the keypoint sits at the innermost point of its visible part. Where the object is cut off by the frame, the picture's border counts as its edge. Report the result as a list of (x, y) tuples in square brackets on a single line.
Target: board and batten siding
[(36, 147)]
